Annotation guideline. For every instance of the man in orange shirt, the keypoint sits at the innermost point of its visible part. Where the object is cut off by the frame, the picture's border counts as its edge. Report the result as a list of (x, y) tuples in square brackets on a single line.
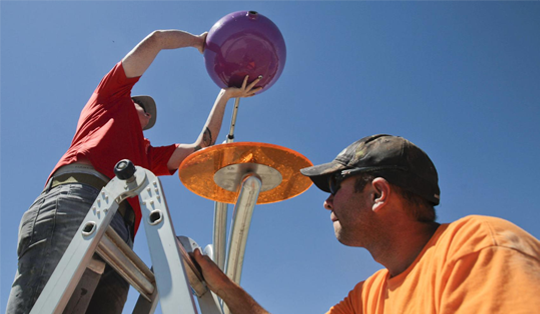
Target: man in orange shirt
[(383, 190)]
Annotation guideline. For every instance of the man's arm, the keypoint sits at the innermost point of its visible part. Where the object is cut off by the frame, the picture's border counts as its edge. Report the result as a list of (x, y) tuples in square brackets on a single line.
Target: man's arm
[(139, 58), (212, 126), (237, 299)]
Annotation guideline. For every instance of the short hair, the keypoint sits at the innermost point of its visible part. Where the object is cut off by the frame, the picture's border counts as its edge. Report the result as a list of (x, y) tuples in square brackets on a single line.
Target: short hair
[(419, 208)]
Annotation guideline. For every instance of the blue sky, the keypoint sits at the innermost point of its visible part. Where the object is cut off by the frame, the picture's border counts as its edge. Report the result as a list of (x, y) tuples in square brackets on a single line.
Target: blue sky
[(459, 79)]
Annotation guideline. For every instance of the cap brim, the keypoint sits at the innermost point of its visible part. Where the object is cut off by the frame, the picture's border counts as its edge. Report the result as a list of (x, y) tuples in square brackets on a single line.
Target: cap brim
[(149, 106), (319, 174)]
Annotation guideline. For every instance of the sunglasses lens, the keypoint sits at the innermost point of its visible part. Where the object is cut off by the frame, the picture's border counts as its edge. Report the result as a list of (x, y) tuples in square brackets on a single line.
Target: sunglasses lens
[(333, 184)]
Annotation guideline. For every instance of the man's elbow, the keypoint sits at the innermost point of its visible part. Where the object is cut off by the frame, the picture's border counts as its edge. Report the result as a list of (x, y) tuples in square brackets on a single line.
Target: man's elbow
[(154, 38)]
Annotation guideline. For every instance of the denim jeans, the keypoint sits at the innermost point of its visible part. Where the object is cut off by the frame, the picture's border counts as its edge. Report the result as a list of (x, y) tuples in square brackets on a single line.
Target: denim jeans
[(45, 232)]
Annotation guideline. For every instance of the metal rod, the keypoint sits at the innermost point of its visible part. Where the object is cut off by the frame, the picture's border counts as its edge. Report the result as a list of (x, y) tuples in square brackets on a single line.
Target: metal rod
[(243, 211), (230, 136), (221, 209), (220, 233)]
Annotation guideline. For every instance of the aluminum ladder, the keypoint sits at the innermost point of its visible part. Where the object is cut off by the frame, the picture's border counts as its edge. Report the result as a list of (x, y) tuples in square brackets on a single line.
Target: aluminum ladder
[(174, 280)]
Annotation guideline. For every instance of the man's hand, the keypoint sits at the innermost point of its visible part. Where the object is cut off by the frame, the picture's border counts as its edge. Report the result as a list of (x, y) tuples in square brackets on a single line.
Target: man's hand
[(245, 90), (237, 299), (201, 42), (215, 279)]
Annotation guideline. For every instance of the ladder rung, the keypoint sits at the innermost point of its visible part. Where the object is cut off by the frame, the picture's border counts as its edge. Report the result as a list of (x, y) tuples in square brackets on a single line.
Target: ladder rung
[(122, 258)]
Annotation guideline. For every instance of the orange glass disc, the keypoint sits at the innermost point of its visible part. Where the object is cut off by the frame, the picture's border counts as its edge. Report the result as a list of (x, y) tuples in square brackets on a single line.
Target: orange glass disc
[(197, 171)]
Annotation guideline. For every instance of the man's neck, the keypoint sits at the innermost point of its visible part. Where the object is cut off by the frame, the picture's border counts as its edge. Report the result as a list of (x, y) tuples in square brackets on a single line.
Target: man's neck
[(402, 248)]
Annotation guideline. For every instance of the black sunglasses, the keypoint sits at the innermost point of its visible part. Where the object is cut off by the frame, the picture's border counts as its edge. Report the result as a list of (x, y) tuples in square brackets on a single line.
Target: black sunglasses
[(334, 180)]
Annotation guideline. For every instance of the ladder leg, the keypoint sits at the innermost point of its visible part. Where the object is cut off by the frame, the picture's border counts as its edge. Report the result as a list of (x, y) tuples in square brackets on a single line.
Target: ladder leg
[(171, 280)]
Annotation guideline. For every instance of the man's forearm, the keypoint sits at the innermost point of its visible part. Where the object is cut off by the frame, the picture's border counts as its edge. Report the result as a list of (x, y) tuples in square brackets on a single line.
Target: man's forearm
[(208, 135), (213, 123), (137, 61), (174, 39), (211, 128), (215, 118), (239, 301)]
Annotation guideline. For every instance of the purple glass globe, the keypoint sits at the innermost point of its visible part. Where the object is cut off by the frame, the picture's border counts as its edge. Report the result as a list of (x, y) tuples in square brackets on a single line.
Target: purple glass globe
[(244, 43)]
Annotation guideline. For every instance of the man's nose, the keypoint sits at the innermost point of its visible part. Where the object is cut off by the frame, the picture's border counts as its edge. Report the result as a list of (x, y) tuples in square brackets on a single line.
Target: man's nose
[(329, 202)]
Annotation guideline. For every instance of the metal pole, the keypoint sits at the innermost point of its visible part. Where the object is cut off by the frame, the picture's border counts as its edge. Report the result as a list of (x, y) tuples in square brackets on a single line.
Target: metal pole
[(243, 211), (221, 209), (230, 137), (220, 233)]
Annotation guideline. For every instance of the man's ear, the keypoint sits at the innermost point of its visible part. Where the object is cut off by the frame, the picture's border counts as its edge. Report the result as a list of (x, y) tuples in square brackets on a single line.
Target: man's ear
[(381, 193)]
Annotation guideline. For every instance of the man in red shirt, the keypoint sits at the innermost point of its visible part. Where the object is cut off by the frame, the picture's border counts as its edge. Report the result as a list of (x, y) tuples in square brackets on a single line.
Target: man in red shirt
[(110, 129)]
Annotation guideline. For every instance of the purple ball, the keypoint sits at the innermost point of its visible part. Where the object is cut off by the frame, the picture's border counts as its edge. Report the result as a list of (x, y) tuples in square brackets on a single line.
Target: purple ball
[(244, 43)]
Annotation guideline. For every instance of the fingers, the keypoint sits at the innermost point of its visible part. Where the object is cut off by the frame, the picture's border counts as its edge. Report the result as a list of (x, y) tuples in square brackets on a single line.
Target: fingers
[(250, 86), (254, 91), (198, 255), (246, 90), (249, 91), (201, 259), (254, 82), (244, 83)]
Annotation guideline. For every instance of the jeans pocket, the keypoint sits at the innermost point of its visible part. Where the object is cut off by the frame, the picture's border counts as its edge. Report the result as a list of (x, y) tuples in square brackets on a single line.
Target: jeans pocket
[(54, 216), (26, 227)]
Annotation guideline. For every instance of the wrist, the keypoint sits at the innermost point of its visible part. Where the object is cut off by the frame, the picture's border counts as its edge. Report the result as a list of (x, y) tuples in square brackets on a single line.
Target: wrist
[(200, 42), (226, 93)]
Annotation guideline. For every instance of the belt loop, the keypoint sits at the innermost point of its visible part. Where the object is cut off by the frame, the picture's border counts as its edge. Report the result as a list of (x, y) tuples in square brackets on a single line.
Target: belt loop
[(48, 185)]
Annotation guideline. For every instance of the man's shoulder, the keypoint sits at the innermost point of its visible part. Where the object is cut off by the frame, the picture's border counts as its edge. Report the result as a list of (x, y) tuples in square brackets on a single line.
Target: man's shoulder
[(376, 279), (479, 224), (115, 84), (475, 232)]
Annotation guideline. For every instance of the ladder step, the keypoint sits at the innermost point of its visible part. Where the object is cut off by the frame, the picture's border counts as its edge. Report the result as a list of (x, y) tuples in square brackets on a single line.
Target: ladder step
[(127, 263)]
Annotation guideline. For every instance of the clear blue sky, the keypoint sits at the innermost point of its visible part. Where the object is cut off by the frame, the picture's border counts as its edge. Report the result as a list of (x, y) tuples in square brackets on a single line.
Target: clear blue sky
[(459, 79)]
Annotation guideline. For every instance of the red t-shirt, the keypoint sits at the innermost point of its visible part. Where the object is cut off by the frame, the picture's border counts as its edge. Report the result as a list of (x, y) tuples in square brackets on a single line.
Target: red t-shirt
[(109, 131)]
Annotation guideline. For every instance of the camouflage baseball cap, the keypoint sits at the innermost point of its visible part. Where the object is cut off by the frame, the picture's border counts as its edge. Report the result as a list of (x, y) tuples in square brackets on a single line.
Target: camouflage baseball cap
[(392, 157)]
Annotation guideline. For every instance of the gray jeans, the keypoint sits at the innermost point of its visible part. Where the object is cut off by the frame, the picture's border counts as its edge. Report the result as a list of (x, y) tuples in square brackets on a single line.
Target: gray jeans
[(45, 232)]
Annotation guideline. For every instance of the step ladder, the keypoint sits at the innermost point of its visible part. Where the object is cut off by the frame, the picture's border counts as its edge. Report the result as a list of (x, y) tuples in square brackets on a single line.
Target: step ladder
[(174, 280)]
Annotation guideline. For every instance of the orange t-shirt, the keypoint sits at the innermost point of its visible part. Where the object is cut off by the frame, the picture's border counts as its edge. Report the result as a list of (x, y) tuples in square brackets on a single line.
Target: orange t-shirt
[(474, 265)]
